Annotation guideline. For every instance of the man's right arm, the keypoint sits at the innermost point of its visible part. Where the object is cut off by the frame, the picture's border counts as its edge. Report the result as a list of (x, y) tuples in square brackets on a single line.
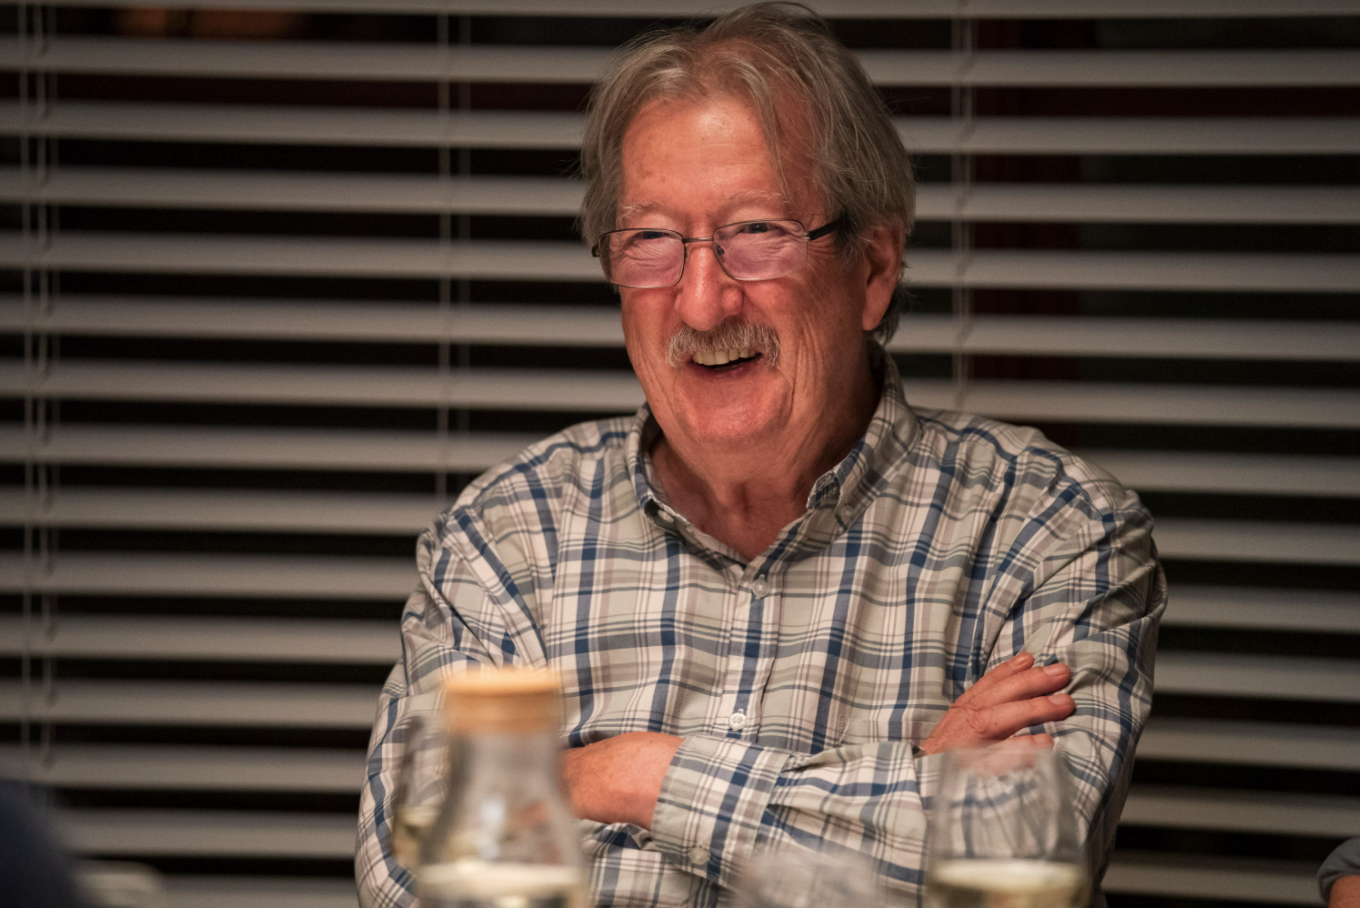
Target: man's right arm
[(1339, 876)]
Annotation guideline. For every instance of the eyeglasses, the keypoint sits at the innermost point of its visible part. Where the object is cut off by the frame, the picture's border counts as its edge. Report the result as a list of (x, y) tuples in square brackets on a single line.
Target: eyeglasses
[(646, 258)]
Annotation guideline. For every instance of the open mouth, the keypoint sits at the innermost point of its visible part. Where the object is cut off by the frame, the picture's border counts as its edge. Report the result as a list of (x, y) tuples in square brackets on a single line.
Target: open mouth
[(725, 359)]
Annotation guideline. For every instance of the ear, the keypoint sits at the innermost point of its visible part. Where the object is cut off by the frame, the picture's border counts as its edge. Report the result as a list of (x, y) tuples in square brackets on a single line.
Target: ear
[(883, 262)]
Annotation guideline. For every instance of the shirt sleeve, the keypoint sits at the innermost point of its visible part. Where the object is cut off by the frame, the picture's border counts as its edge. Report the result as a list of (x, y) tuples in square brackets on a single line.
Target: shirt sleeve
[(1344, 861), (1081, 585), (445, 626)]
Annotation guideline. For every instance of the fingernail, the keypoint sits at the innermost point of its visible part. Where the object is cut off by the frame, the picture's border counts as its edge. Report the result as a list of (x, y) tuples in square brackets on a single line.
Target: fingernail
[(1022, 656), (1060, 700), (1056, 669)]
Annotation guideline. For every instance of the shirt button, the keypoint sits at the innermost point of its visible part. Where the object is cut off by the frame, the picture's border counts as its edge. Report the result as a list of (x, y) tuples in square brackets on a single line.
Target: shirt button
[(698, 855), (736, 722), (760, 589)]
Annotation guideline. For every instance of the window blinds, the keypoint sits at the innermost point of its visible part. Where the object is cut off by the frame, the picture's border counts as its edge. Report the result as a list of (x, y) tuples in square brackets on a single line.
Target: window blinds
[(277, 283)]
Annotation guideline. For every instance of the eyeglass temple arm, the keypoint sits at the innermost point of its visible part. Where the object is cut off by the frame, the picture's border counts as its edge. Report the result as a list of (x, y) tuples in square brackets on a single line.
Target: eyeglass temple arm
[(825, 229)]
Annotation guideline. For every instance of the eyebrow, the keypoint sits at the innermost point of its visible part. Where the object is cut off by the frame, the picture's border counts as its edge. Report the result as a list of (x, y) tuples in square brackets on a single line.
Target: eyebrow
[(748, 197)]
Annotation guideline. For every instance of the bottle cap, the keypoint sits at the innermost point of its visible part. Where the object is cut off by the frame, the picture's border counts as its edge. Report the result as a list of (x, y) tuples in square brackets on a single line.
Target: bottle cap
[(509, 699)]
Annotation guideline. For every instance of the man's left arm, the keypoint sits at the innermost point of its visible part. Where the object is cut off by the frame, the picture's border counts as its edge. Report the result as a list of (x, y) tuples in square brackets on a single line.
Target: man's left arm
[(1088, 598)]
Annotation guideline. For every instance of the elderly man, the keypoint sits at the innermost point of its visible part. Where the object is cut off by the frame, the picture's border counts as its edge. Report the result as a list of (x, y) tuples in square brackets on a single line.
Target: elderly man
[(777, 590)]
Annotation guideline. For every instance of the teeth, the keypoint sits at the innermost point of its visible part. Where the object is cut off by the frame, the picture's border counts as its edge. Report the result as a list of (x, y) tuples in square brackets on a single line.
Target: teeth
[(721, 357)]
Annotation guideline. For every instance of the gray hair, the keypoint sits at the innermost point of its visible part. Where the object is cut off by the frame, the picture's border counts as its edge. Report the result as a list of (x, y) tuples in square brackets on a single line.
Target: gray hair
[(767, 54)]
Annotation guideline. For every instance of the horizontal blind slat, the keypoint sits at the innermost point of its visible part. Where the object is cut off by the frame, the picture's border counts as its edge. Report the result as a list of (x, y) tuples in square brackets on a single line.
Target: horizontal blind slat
[(309, 256), (395, 386), (561, 197), (133, 121), (565, 261), (1178, 672), (1113, 68), (235, 510), (405, 514), (1250, 743), (585, 390), (235, 768), (1205, 271), (1259, 541), (1131, 135), (279, 190), (196, 703), (1199, 605), (1098, 203), (374, 61), (171, 766), (1252, 474), (1240, 811), (243, 833), (368, 61), (201, 891), (336, 640), (552, 130), (1145, 337), (1194, 877), (285, 319), (262, 448), (249, 576), (1268, 677), (598, 326), (853, 9), (1150, 404), (175, 637), (208, 833)]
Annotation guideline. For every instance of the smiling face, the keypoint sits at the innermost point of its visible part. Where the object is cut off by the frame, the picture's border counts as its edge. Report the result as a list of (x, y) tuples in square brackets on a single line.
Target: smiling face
[(799, 373)]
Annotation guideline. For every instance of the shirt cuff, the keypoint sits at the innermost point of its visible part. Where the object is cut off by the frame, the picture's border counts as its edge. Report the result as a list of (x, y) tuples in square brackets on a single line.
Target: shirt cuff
[(711, 804)]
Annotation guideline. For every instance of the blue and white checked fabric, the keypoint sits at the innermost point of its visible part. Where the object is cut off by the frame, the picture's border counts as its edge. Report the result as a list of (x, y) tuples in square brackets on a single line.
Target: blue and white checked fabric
[(942, 545)]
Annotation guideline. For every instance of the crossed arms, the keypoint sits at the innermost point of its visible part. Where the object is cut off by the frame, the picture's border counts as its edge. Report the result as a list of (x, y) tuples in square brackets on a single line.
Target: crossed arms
[(619, 779)]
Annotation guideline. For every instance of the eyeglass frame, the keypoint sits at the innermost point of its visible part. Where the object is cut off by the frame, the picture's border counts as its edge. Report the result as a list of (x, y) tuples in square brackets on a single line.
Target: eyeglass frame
[(808, 236)]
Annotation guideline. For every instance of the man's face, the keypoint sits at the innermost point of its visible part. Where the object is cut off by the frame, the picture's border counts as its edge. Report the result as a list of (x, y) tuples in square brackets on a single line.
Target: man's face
[(692, 166)]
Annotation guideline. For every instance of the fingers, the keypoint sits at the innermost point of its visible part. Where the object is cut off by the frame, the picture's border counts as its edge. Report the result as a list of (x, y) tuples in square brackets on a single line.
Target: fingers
[(1004, 720), (1007, 670), (1015, 680), (1010, 698)]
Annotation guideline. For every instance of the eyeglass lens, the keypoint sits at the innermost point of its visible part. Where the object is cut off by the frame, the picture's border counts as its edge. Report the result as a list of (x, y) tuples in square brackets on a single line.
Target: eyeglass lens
[(748, 251)]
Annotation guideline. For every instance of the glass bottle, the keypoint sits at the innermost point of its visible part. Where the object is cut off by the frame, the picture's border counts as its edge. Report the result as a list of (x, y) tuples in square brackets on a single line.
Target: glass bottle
[(504, 837)]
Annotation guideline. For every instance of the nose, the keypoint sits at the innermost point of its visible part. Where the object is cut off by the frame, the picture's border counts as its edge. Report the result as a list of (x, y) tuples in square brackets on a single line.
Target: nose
[(706, 296)]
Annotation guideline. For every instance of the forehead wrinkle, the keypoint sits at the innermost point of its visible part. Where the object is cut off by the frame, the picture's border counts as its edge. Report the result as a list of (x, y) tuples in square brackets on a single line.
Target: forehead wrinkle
[(748, 197)]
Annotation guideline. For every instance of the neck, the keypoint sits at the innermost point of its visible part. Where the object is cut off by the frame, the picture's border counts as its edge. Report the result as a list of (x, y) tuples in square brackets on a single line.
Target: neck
[(745, 498)]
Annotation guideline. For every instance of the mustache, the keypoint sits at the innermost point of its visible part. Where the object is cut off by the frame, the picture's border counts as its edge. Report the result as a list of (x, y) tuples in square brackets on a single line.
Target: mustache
[(728, 336)]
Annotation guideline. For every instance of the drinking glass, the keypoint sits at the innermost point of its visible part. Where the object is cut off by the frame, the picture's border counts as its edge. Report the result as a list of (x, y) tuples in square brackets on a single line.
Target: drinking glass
[(1002, 831), (421, 784)]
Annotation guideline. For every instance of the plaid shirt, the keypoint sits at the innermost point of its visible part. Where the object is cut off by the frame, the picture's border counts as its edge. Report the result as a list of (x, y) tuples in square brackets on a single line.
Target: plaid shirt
[(801, 680)]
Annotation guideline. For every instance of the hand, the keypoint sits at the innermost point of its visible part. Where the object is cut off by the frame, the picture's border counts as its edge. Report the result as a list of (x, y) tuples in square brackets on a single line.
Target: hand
[(1010, 697), (618, 780)]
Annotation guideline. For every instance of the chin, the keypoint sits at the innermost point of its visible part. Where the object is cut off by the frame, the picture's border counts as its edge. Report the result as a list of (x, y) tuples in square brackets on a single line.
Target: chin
[(731, 431)]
